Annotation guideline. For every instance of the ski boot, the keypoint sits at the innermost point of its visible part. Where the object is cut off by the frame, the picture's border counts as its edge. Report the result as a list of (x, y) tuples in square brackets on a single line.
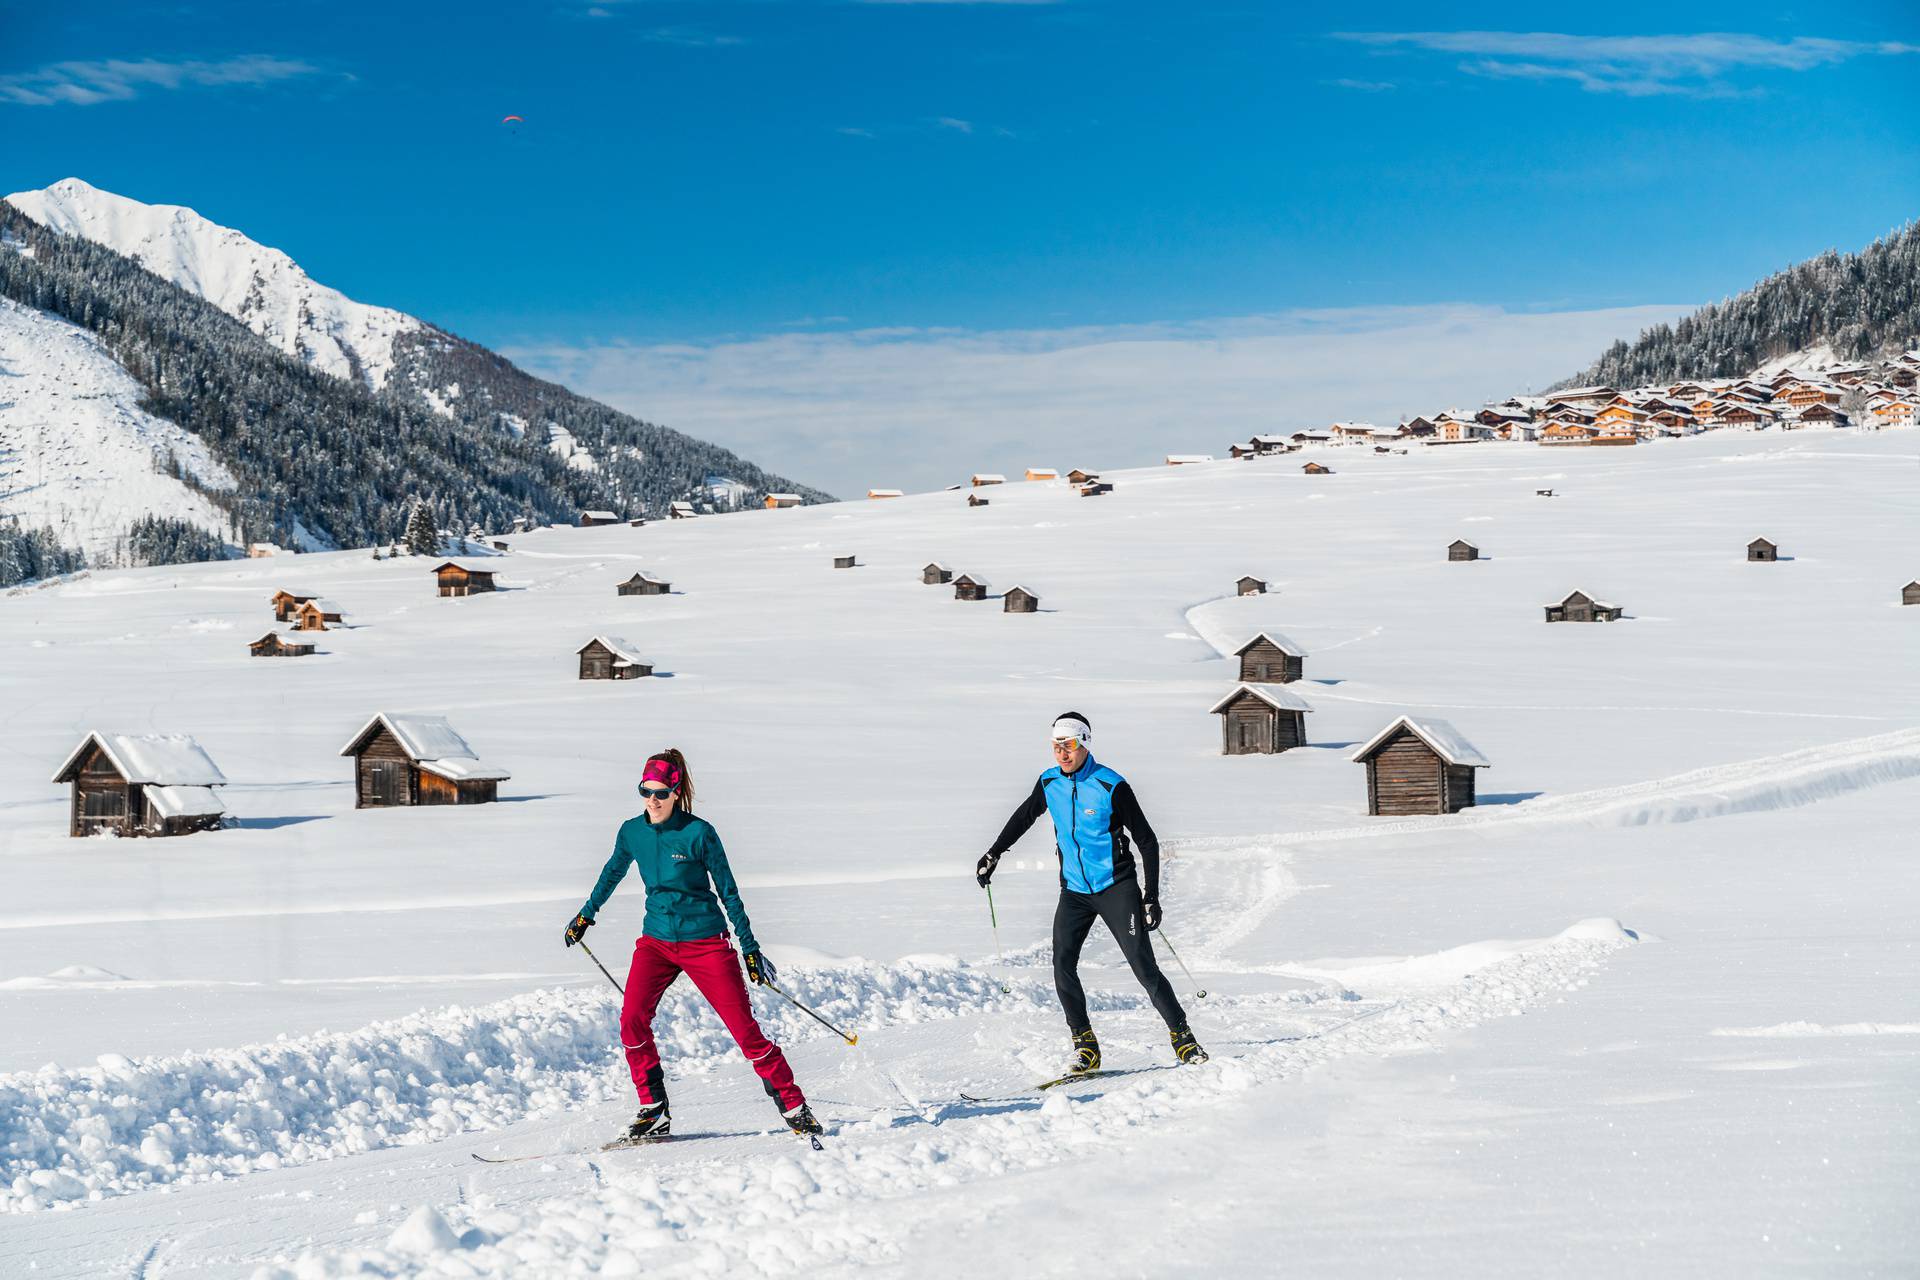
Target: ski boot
[(651, 1124), (801, 1121), (1086, 1054), (1185, 1048)]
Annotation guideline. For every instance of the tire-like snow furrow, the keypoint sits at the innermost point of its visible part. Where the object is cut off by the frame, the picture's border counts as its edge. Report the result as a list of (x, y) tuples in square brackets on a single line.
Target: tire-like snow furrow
[(781, 1215), (72, 1135)]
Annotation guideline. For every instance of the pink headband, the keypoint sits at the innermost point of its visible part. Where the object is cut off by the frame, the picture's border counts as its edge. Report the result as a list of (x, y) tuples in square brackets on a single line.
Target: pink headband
[(662, 771)]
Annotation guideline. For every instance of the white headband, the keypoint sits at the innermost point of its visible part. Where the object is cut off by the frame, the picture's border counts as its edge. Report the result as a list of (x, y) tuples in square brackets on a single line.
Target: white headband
[(1072, 727)]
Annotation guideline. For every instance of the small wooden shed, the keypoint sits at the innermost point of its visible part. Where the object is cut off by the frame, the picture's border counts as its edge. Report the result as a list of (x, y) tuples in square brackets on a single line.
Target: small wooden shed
[(588, 519), (1910, 594), (314, 614), (500, 544), (644, 584), (1042, 473), (611, 658), (844, 562), (1270, 658), (1581, 607), (275, 645), (1762, 550), (969, 587), (877, 494), (1095, 488), (681, 510), (1261, 720), (1419, 764), (1316, 469), (417, 759), (777, 501), (1080, 475), (154, 784), (285, 602), (975, 500), (1250, 586), (1461, 549), (1019, 600), (461, 580), (935, 573)]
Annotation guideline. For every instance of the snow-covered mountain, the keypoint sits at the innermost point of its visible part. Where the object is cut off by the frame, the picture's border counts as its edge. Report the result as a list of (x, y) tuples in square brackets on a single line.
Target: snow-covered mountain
[(261, 287)]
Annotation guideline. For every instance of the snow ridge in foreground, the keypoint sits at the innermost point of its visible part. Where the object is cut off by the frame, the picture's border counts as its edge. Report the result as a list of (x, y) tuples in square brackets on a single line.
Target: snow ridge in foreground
[(784, 1216)]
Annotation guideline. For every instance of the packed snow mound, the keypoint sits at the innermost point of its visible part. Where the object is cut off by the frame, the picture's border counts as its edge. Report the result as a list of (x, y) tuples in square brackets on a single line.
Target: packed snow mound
[(78, 454), (1443, 968), (263, 288), (1809, 1030)]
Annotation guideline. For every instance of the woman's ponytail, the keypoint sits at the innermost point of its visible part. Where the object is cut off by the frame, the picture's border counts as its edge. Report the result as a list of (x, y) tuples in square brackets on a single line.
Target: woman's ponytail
[(673, 757)]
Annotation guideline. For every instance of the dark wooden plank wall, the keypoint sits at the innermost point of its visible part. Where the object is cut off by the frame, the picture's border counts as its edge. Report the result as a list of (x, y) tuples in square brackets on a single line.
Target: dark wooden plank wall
[(1265, 663), (1405, 776)]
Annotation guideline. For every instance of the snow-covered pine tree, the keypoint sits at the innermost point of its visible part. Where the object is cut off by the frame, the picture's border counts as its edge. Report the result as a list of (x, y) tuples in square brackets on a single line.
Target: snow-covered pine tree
[(421, 537)]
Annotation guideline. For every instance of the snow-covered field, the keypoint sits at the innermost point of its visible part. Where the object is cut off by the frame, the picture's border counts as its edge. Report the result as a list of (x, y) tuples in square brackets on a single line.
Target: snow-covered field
[(1655, 1004)]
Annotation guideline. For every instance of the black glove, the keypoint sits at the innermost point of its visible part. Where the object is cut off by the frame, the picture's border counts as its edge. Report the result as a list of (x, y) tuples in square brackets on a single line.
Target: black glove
[(1150, 913), (578, 929), (760, 969), (983, 870)]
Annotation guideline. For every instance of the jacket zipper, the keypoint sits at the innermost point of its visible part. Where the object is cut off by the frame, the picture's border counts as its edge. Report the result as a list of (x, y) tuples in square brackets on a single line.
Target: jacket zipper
[(1073, 825)]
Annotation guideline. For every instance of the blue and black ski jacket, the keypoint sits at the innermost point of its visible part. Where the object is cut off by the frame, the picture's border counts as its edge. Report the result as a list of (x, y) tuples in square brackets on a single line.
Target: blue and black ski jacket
[(1093, 810)]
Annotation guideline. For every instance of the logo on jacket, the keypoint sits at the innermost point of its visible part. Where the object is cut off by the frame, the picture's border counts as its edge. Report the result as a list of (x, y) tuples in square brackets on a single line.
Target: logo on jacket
[(681, 857), (1088, 812)]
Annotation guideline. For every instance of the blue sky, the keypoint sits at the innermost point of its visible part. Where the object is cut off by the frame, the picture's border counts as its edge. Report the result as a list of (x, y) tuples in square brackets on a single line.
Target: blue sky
[(729, 171)]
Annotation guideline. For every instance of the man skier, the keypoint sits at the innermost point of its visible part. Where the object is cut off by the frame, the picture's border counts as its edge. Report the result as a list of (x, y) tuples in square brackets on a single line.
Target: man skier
[(1093, 810)]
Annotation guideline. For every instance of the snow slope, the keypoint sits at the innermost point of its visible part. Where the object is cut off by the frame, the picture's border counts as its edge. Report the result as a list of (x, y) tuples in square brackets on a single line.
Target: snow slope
[(263, 288), (274, 1049), (77, 453)]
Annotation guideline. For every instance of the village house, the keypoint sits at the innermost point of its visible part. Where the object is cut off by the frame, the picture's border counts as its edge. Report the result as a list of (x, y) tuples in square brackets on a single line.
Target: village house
[(1894, 413), (155, 784), (1419, 764), (285, 602), (1818, 414), (1564, 433), (775, 501), (1270, 658), (1019, 599), (1418, 427), (417, 760), (1587, 397), (1352, 432), (275, 645), (1743, 415), (1311, 437), (643, 584), (1261, 720), (611, 658), (457, 579), (1581, 607)]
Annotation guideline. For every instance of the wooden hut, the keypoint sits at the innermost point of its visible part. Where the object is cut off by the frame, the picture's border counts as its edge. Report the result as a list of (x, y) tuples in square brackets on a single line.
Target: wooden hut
[(1419, 764), (1316, 469), (1461, 549), (1095, 488), (611, 658), (969, 587), (588, 519), (501, 544), (460, 580), (1080, 475), (978, 479), (975, 500), (314, 614), (935, 573), (1261, 720), (644, 584), (681, 510), (1250, 586), (285, 602), (155, 784), (1910, 594), (417, 759), (877, 494), (275, 645), (1019, 600), (1042, 473), (776, 501), (1581, 607), (1762, 550), (844, 562), (1271, 659)]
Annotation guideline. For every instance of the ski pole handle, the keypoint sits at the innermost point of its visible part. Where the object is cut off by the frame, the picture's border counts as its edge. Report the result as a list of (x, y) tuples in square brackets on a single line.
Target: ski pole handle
[(1200, 992), (811, 1014), (582, 944)]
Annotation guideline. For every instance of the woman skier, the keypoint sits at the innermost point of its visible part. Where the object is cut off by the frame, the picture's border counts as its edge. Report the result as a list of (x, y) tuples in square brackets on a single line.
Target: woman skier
[(685, 870)]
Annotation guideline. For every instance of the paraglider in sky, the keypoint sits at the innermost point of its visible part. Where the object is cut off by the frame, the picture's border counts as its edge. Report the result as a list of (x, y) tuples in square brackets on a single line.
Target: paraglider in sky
[(513, 120)]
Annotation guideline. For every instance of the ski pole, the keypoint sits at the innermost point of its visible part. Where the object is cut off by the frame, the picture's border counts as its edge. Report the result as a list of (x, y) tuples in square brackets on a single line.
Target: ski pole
[(1201, 992), (602, 968), (999, 954), (811, 1014)]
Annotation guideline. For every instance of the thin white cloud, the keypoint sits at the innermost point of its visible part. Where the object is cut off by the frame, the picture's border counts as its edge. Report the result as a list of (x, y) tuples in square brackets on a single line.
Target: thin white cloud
[(955, 124), (116, 80), (1709, 64), (691, 38), (922, 408), (1361, 86)]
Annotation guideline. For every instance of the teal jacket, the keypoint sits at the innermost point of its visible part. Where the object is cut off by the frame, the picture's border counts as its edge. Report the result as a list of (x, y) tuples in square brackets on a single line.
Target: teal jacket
[(685, 870)]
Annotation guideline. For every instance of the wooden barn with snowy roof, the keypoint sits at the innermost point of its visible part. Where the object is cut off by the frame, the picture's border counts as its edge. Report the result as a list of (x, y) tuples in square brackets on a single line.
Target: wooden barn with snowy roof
[(610, 658), (1581, 607), (970, 586), (1763, 551), (313, 614), (1910, 594), (1019, 599), (456, 579), (152, 784), (275, 645), (415, 759), (285, 602), (1261, 720), (934, 573), (1270, 658), (1461, 549), (1248, 585), (644, 584), (1419, 764)]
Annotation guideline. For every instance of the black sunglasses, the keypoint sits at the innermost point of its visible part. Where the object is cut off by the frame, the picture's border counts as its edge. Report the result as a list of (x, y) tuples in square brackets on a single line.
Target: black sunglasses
[(656, 793)]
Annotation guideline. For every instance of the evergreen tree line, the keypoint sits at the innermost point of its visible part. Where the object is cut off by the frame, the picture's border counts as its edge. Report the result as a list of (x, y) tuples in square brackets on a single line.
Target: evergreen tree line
[(27, 554), (164, 540), (1864, 305), (327, 453)]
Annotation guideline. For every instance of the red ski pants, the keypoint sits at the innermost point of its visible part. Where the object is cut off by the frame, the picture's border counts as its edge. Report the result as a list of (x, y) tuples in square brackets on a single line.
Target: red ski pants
[(715, 971)]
